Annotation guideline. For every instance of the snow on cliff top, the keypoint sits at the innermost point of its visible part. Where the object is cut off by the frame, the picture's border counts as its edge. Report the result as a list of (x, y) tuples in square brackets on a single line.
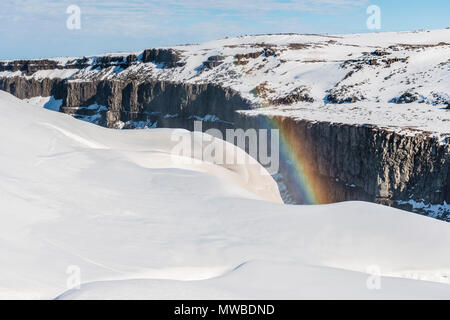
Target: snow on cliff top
[(399, 80), (138, 224)]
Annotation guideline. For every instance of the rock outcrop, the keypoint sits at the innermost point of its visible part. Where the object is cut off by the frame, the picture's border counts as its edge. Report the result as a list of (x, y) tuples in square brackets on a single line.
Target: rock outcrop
[(24, 88), (168, 57), (136, 101)]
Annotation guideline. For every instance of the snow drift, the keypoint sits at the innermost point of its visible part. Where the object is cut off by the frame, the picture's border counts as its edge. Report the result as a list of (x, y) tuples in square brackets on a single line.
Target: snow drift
[(139, 224)]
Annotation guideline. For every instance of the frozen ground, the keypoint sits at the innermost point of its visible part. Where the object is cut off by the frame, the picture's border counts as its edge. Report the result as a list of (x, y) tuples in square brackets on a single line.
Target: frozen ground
[(141, 223)]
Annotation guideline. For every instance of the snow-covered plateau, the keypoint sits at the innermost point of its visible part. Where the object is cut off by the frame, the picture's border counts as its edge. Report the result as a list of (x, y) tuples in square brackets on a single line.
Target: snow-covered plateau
[(130, 220), (398, 80)]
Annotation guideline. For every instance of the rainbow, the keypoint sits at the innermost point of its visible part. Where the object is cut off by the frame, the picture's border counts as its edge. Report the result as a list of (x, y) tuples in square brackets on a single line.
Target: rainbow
[(303, 179)]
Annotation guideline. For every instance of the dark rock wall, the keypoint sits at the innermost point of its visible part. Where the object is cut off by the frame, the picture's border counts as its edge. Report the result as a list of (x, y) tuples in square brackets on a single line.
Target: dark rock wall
[(31, 66), (170, 58), (27, 88), (360, 162), (137, 100)]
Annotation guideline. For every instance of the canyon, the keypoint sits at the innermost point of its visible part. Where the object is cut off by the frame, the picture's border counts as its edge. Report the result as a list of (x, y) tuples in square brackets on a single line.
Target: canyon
[(355, 137)]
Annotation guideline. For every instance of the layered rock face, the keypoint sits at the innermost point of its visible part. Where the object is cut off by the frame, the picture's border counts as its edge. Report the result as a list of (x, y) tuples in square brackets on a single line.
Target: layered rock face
[(28, 88), (362, 162), (137, 101), (133, 100)]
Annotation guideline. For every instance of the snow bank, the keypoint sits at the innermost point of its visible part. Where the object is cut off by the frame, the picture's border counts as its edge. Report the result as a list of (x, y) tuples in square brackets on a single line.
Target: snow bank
[(138, 223)]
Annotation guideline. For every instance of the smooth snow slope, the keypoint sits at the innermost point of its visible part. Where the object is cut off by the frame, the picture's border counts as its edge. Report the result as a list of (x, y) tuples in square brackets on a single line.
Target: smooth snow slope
[(141, 224)]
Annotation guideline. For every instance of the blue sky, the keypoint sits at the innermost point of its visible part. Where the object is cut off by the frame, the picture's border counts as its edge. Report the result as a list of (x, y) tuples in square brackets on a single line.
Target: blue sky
[(37, 28)]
